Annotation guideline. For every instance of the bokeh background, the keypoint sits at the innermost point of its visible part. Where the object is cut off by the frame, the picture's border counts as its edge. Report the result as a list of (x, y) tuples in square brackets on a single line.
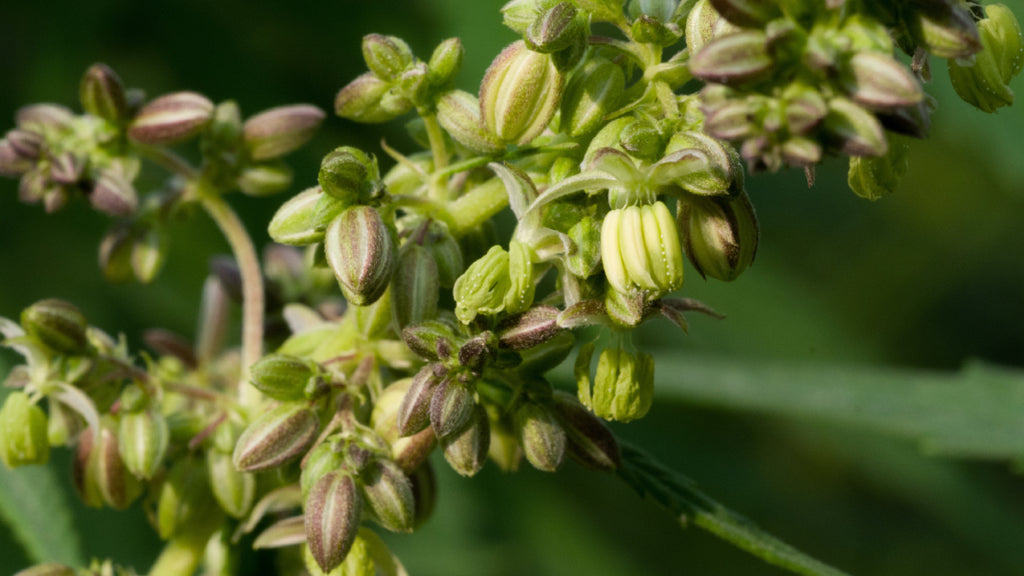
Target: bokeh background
[(926, 279)]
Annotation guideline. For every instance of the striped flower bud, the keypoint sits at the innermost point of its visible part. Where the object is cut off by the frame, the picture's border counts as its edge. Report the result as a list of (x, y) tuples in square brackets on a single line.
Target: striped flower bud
[(276, 437), (142, 439), (594, 91), (704, 24), (332, 510), (541, 435), (555, 29), (719, 235), (282, 130), (102, 94), (415, 287), (587, 440), (879, 81), (623, 386), (171, 118), (99, 472), (361, 100), (11, 163), (447, 254), (984, 83), (386, 56), (361, 252), (547, 355), (414, 412), (296, 222), (478, 351), (287, 378), (519, 94), (855, 131), (458, 112), (466, 450), (451, 407), (408, 452), (114, 194), (45, 118), (747, 13), (445, 62), (482, 287), (640, 250), (431, 339), (58, 325), (265, 179), (26, 144), (732, 59), (944, 28), (149, 251), (388, 494), (348, 174), (233, 489), (23, 432), (532, 328), (724, 172)]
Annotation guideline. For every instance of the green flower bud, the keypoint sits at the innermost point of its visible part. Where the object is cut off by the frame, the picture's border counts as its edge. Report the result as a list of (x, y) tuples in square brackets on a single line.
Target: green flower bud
[(149, 251), (431, 340), (458, 112), (719, 235), (233, 489), (587, 440), (624, 385), (704, 24), (276, 437), (985, 83), (23, 438), (171, 118), (724, 172), (520, 14), (541, 435), (733, 59), (361, 252), (478, 351), (555, 29), (361, 99), (349, 174), (114, 194), (287, 378), (414, 412), (519, 94), (296, 222), (414, 287), (265, 179), (142, 439), (445, 62), (640, 250), (58, 325), (879, 81), (873, 178), (407, 452), (279, 131), (99, 473), (446, 253), (451, 407), (386, 56), (650, 30), (62, 424), (482, 288), (102, 94), (332, 511), (594, 91), (855, 130), (546, 356), (944, 28), (466, 450), (184, 500), (388, 493)]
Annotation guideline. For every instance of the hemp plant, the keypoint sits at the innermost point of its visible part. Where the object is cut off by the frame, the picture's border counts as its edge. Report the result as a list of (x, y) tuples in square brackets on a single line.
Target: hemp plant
[(615, 132)]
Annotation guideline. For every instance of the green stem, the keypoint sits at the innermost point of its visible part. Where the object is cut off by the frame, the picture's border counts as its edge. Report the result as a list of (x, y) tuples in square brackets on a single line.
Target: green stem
[(440, 153), (476, 206), (252, 287)]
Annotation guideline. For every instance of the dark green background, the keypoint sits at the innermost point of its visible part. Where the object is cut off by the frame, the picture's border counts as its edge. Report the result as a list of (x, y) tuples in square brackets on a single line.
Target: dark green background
[(928, 278)]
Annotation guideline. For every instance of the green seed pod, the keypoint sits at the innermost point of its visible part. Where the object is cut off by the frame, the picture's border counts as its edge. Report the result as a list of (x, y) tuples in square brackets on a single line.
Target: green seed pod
[(623, 386), (482, 288), (171, 118), (102, 94), (98, 471), (295, 223), (279, 435), (332, 511), (388, 493), (58, 325), (458, 112), (286, 378), (719, 235), (451, 407), (233, 489), (541, 435), (415, 287), (466, 450), (587, 440), (386, 56), (874, 178), (265, 179), (149, 251), (555, 29), (279, 131), (733, 59), (594, 91), (361, 252), (143, 437), (985, 83), (23, 427), (349, 174), (519, 94)]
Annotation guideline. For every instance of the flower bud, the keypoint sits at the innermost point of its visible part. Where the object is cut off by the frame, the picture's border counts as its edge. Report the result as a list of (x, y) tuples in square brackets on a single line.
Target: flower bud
[(361, 252), (879, 81), (414, 412), (386, 56), (719, 235), (296, 222), (873, 178), (623, 386), (458, 112), (149, 251), (944, 28), (233, 489), (724, 171), (747, 13), (58, 325), (445, 62), (332, 511), (99, 472), (45, 118), (594, 91), (23, 426), (171, 118), (478, 351), (519, 94), (985, 83), (414, 287), (649, 30), (12, 163), (62, 423), (360, 100), (733, 59), (279, 131), (276, 437), (555, 29), (482, 287), (67, 168), (114, 194), (446, 253), (856, 131), (26, 144), (451, 407), (704, 24), (640, 249), (102, 94), (349, 174), (531, 328), (541, 436), (548, 355), (286, 378), (265, 179), (142, 439), (388, 492), (587, 439), (466, 450)]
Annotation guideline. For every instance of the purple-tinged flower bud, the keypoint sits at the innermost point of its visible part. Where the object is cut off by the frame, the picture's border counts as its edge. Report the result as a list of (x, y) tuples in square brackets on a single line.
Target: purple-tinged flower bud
[(944, 28), (587, 440), (541, 435), (149, 251), (733, 59), (265, 179), (623, 386), (360, 100), (281, 534), (386, 56), (58, 325), (594, 91), (388, 493), (414, 412), (114, 194), (719, 235), (879, 81), (459, 114), (361, 252), (547, 355), (48, 569), (874, 178), (286, 378), (349, 174), (445, 62), (282, 130), (12, 163), (99, 473), (425, 339), (482, 287), (984, 83), (66, 168), (233, 489), (799, 151), (529, 329), (171, 118), (102, 94), (115, 254), (451, 407), (519, 94), (45, 118), (142, 440), (466, 450), (23, 427), (747, 13), (26, 144), (478, 351), (332, 510), (296, 222), (276, 437), (855, 130), (415, 287)]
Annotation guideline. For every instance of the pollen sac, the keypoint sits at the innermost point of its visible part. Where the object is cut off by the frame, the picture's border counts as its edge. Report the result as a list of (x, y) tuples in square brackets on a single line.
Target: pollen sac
[(23, 432), (361, 252), (482, 287), (276, 437), (640, 250), (719, 234), (623, 386), (519, 94), (984, 83)]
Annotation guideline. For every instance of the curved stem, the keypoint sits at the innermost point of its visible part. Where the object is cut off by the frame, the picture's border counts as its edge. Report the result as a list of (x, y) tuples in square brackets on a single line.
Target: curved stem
[(252, 287)]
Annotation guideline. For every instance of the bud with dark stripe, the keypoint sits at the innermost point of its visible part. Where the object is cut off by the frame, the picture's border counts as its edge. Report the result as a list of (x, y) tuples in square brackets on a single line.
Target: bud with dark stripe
[(332, 510), (171, 118), (388, 493), (587, 439), (719, 235), (519, 94), (361, 252), (59, 325), (466, 450), (276, 437), (415, 286), (102, 94), (541, 435), (451, 406)]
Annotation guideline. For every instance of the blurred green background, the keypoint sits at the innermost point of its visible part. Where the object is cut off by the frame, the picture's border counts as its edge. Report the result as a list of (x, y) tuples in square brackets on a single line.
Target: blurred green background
[(926, 279)]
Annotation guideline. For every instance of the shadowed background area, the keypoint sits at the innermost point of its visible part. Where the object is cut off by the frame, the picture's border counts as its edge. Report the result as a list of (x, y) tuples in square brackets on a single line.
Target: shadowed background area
[(926, 279)]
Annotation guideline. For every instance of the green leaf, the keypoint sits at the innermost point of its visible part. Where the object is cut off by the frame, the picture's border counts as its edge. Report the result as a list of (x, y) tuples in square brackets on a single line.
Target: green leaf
[(972, 413), (680, 496)]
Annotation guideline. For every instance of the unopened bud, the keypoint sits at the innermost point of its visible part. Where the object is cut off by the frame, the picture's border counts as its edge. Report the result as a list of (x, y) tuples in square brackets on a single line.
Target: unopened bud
[(388, 493), (482, 288), (623, 386), (265, 179), (12, 163), (332, 510), (519, 94), (171, 118), (102, 94), (879, 81), (747, 13), (59, 325), (44, 118), (184, 500), (593, 92), (944, 28), (414, 412), (732, 59), (466, 450), (143, 437), (286, 378), (296, 222), (521, 289), (360, 100), (276, 437), (478, 351), (348, 174), (114, 194), (451, 407), (445, 62), (555, 29), (650, 30), (386, 56), (530, 329), (99, 472), (414, 287), (719, 235), (26, 144), (588, 440), (704, 24), (361, 252), (233, 489), (874, 178), (23, 432), (447, 254), (48, 569), (458, 112), (149, 251), (856, 131), (985, 82), (541, 435), (428, 339), (279, 131)]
